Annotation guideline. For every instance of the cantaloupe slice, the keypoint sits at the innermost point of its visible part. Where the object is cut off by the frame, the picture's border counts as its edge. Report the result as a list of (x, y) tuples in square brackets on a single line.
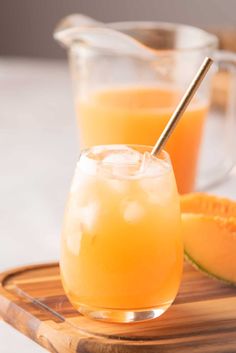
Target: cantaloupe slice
[(209, 231)]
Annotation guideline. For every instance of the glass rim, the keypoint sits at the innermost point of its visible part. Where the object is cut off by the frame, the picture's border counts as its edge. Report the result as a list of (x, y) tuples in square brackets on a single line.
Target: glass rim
[(209, 40), (91, 162)]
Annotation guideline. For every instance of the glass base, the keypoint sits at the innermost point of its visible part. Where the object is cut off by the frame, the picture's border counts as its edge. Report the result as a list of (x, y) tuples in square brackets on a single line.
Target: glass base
[(123, 316)]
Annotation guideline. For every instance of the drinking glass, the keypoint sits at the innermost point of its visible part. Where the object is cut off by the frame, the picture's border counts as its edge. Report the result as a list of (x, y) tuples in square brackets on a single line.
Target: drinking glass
[(122, 250), (128, 78)]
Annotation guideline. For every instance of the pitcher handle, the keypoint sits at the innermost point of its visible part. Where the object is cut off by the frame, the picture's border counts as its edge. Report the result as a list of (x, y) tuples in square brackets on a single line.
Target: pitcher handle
[(225, 60)]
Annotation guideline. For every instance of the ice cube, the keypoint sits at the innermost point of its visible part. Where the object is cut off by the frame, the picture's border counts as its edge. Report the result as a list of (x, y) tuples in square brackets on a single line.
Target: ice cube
[(78, 182), (120, 186), (133, 211), (122, 162), (73, 241), (87, 165), (89, 216), (158, 189), (148, 185), (145, 163), (122, 156)]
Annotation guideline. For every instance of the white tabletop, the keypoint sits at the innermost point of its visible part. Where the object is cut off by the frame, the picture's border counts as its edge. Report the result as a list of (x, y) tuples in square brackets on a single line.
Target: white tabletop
[(38, 151)]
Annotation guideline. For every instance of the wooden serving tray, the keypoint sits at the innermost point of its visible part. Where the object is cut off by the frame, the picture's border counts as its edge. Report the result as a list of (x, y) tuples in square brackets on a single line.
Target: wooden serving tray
[(202, 319)]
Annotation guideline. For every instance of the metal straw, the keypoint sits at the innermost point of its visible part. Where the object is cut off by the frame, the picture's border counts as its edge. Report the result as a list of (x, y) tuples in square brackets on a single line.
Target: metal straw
[(180, 109)]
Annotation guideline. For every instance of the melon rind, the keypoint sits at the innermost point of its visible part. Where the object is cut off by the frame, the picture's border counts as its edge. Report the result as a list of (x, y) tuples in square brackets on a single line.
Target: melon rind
[(205, 272)]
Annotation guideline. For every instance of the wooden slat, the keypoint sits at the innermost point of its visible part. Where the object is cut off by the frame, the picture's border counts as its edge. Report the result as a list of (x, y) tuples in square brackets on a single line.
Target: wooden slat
[(202, 319)]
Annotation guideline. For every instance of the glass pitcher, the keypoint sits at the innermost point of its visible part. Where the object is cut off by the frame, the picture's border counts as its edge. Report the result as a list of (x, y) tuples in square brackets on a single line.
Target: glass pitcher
[(128, 78)]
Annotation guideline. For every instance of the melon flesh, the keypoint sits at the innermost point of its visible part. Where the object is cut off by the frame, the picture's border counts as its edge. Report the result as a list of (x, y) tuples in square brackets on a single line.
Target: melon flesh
[(206, 204), (210, 244)]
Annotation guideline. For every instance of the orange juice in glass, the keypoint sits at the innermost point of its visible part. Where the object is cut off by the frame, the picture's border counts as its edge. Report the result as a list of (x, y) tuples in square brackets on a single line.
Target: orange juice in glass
[(122, 251), (138, 115)]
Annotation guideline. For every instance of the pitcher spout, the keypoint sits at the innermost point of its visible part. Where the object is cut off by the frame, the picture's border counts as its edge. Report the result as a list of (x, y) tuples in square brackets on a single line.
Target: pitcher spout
[(70, 28), (81, 29)]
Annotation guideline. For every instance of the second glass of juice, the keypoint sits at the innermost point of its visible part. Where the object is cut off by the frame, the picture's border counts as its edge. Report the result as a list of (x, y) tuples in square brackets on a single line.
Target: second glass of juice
[(122, 251)]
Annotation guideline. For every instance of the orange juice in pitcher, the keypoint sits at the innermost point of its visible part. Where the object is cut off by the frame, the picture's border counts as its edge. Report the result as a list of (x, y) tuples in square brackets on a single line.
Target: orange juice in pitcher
[(137, 115)]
